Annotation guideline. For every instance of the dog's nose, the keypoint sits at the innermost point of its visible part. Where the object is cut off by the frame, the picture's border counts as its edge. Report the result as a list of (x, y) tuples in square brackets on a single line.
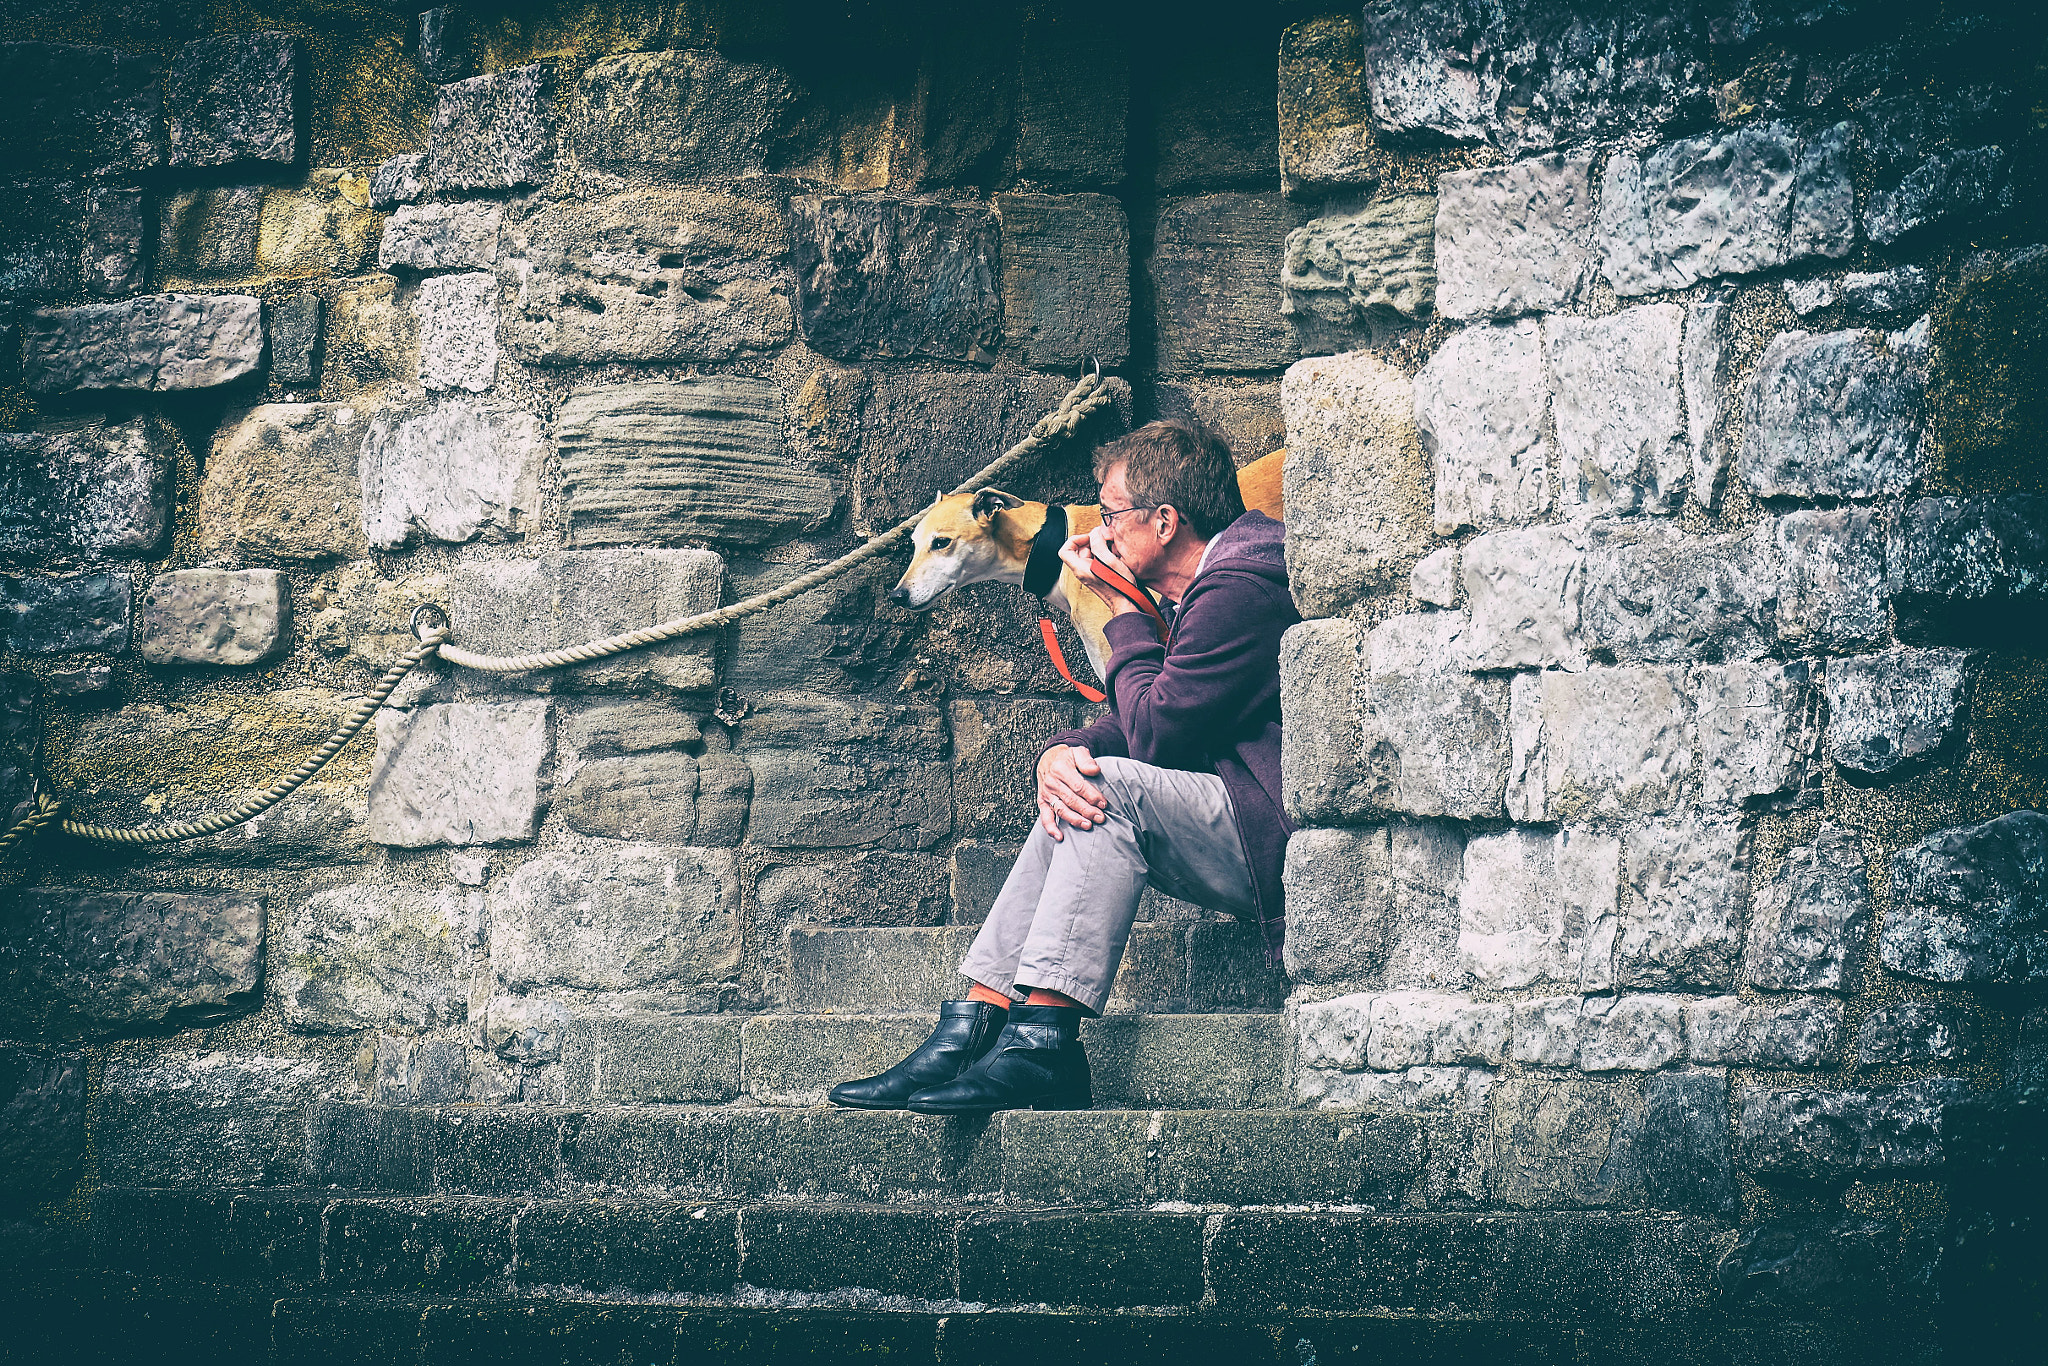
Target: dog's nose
[(899, 595)]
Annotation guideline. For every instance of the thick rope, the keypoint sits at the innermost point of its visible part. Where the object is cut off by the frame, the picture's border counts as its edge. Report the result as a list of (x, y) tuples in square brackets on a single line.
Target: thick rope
[(1081, 401)]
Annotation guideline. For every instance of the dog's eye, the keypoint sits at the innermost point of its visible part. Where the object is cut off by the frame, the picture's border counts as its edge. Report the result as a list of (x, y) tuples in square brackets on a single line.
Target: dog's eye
[(941, 542)]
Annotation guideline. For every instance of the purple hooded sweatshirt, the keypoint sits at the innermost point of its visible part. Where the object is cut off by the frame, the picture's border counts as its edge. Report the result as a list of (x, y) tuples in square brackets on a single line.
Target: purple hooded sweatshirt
[(1209, 700)]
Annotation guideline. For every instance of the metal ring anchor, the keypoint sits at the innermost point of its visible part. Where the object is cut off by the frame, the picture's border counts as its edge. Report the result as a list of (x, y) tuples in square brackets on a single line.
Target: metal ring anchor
[(438, 610), (1095, 366)]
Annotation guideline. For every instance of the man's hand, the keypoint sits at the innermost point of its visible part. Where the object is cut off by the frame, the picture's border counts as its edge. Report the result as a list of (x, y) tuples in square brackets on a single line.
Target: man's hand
[(1064, 794), (1082, 553)]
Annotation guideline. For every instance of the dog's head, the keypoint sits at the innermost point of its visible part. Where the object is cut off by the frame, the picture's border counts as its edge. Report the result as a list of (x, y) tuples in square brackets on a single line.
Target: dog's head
[(956, 544)]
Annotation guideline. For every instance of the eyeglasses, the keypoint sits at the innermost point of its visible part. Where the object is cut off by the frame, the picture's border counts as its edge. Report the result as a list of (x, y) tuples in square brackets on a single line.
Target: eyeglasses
[(1109, 515)]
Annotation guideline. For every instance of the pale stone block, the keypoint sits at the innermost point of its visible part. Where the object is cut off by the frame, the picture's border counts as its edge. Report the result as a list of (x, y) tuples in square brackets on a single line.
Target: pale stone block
[(452, 468), (1322, 769), (1549, 1031), (371, 956), (1808, 920), (1435, 579), (1970, 904), (1424, 1029), (1616, 401), (1758, 726), (1525, 588), (441, 236), (214, 616), (1703, 368), (1339, 898), (1831, 589), (1514, 239), (1833, 415), (1681, 918), (628, 918), (1638, 1033), (1657, 595), (1461, 1090), (1539, 909), (1608, 742), (1889, 710), (1332, 1034), (458, 331), (1435, 736), (1479, 407), (458, 773)]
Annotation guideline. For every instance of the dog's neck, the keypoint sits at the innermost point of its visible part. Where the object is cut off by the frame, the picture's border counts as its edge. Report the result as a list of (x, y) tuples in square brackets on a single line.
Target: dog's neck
[(1013, 533)]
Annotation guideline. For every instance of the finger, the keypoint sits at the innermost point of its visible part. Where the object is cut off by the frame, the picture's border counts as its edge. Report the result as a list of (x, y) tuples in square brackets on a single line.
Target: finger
[(1083, 760), (1078, 561), (1079, 816), (1050, 821), (1075, 788), (1070, 800)]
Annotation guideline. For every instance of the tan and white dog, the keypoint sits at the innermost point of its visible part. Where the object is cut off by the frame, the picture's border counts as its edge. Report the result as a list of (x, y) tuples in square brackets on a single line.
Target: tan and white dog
[(987, 536)]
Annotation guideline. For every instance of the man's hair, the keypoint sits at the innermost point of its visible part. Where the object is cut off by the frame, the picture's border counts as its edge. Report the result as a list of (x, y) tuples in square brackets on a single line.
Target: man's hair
[(1179, 464)]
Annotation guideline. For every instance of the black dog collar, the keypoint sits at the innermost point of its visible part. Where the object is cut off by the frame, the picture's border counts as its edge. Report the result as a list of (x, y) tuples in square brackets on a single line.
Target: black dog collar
[(1042, 570)]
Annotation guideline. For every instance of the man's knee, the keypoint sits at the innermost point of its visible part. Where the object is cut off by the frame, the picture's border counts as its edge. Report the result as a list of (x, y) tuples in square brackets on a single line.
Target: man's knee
[(1123, 782)]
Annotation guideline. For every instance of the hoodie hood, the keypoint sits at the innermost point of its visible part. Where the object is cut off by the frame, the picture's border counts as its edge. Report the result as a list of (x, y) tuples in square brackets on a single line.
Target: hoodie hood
[(1253, 542)]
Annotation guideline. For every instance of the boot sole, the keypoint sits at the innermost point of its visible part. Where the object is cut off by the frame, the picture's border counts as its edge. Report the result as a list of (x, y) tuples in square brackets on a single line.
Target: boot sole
[(1049, 1103)]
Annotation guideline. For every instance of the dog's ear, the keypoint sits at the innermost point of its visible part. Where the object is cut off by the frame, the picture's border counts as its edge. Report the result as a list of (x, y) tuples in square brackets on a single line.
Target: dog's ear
[(989, 502)]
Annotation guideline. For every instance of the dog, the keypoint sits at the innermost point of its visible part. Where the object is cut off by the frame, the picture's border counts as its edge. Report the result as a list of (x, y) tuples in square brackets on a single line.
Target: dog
[(987, 536)]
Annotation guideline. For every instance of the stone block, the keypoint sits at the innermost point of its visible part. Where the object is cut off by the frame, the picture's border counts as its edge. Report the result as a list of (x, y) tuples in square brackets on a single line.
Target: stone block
[(1608, 742), (494, 132), (699, 458), (627, 918), (324, 227), (366, 956), (371, 339), (1216, 272), (1833, 415), (1685, 1142), (458, 773), (1428, 861), (894, 1252), (21, 740), (688, 114), (210, 232), (117, 225), (1565, 1141), (1758, 727), (649, 274), (1823, 195), (796, 1059), (642, 1057), (282, 484), (1284, 1157), (449, 468), (1948, 556), (1514, 239), (896, 278), (234, 97), (1681, 916), (42, 1104), (1339, 903), (1526, 591), (100, 490), (1323, 778), (403, 180), (213, 1118), (1214, 102), (1066, 1158), (1132, 1258), (1416, 1090), (458, 331), (1184, 1062), (1915, 1032), (1775, 1032), (1812, 1134), (832, 773), (1431, 1029), (49, 616), (1809, 919), (871, 969), (829, 1154), (295, 326), (843, 634), (1344, 271), (975, 876), (1896, 709), (86, 962), (1479, 405), (1073, 99), (1248, 415), (1549, 1030), (1831, 587), (996, 744), (214, 616), (42, 239), (1703, 371), (1066, 278), (82, 110), (1325, 111), (1637, 1033), (644, 1246), (1356, 483), (443, 1246), (1953, 186), (1539, 909), (1876, 293), (154, 343), (636, 797), (1970, 904), (1615, 400), (1436, 580), (1333, 1034), (1435, 736), (1656, 595)]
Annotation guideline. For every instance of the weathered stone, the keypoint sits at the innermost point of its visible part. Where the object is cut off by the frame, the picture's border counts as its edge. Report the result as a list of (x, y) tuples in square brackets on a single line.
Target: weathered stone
[(1655, 595), (116, 233), (691, 459), (1427, 1029), (1564, 1141), (1873, 294), (1956, 185), (896, 278), (1915, 1032), (441, 236), (1549, 1031), (829, 773), (1428, 860), (521, 1029), (1681, 921), (629, 918), (494, 132), (295, 339), (100, 490), (1603, 743), (1831, 589), (1339, 898), (1323, 778), (1819, 1134), (458, 332), (1808, 920), (1629, 1033), (48, 616), (234, 97), (78, 110), (1073, 98), (1833, 415), (1435, 737), (841, 635), (156, 342), (210, 232), (356, 614), (1066, 278), (1457, 1090), (400, 180), (1325, 113), (1216, 271), (1514, 239), (21, 738), (1344, 271), (1725, 203), (1798, 1031), (1539, 909), (1970, 904), (444, 48), (1247, 414), (1355, 483), (1895, 708), (1525, 589), (213, 1117), (1811, 296), (564, 598), (996, 743), (42, 1124), (1684, 1147), (1479, 405), (323, 227), (90, 961), (452, 468), (366, 956), (1435, 579), (690, 114), (1213, 105), (458, 773), (1615, 400), (649, 274), (372, 338), (42, 238), (871, 888), (214, 616), (1953, 553)]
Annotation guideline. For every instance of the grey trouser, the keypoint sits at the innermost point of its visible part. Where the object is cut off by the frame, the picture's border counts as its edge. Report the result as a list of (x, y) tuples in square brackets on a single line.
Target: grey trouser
[(1063, 915)]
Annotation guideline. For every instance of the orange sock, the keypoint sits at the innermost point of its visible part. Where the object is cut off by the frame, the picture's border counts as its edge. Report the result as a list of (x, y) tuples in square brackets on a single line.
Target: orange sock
[(1049, 998), (989, 996)]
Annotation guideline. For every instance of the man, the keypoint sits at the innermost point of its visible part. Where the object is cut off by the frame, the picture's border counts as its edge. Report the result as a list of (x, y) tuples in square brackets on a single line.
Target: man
[(1178, 786)]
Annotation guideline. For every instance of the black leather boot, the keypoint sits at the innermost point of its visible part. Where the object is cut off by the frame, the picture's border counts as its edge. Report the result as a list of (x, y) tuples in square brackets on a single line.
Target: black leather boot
[(967, 1030), (1036, 1062)]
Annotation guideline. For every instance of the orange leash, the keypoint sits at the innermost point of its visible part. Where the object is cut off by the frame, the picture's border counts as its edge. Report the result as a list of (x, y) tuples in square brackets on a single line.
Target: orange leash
[(1122, 585)]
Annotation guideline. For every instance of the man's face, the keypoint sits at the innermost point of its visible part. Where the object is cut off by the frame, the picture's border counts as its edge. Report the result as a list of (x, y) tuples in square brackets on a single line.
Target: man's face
[(1134, 536)]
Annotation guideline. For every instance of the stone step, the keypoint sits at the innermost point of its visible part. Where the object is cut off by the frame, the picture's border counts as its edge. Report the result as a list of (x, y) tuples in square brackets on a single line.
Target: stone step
[(1182, 1062), (1177, 966), (1208, 1158)]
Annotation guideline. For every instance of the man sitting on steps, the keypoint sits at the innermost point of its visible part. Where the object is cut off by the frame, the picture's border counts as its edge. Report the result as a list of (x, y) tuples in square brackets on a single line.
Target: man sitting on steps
[(1178, 786)]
